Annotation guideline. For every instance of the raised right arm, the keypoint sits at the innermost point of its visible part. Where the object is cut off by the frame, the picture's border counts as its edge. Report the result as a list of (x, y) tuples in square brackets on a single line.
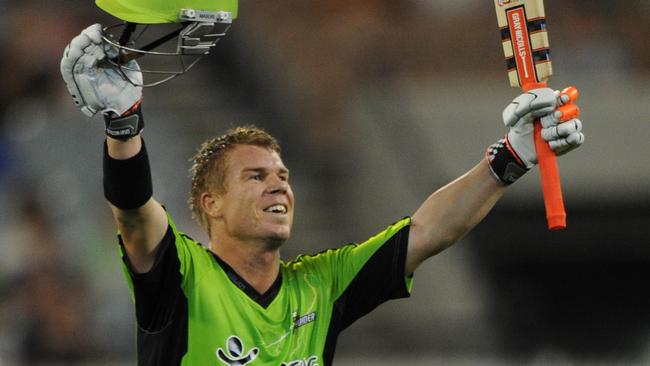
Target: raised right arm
[(143, 227), (96, 86)]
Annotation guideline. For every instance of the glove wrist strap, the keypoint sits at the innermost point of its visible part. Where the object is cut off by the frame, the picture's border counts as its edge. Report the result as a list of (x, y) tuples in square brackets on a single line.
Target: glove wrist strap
[(126, 126), (506, 166)]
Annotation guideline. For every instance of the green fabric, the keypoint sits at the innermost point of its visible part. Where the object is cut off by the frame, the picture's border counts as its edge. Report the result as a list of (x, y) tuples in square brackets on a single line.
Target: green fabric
[(161, 11), (219, 310)]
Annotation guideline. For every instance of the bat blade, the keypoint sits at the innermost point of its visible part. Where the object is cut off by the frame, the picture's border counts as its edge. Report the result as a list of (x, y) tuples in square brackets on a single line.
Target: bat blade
[(525, 41)]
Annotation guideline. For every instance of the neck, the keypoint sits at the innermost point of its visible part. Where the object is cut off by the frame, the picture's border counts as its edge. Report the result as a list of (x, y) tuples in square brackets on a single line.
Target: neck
[(254, 262)]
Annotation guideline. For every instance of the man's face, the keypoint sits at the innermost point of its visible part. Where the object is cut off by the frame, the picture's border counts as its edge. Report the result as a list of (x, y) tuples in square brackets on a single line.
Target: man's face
[(258, 202)]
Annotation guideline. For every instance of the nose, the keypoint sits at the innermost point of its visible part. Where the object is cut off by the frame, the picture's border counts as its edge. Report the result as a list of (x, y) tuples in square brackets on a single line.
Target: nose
[(277, 185)]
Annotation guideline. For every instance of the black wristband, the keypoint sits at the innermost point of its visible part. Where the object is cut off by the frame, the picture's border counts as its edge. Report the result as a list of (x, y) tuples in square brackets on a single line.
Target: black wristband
[(504, 162), (127, 183), (125, 126)]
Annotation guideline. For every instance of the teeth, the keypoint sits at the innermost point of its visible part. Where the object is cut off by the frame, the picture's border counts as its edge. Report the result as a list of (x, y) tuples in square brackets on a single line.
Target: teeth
[(276, 209)]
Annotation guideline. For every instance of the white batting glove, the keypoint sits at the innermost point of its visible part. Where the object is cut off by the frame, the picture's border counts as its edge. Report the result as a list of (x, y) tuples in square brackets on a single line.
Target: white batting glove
[(96, 85), (540, 103), (513, 156)]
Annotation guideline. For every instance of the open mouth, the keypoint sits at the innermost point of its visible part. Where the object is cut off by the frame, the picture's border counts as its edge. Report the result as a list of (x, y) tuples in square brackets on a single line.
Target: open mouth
[(277, 208)]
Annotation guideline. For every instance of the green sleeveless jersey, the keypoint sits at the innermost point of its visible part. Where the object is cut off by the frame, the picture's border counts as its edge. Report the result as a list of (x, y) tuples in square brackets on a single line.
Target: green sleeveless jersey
[(193, 309)]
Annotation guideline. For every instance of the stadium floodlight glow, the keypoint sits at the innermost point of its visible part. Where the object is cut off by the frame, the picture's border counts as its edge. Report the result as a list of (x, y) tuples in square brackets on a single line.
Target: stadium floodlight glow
[(195, 25)]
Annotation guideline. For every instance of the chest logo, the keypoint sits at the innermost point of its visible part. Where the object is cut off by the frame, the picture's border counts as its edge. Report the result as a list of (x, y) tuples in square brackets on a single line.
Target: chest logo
[(311, 361), (234, 353), (299, 321)]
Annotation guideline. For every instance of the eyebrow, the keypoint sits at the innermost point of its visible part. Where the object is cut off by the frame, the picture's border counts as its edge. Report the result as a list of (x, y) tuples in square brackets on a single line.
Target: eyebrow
[(263, 170)]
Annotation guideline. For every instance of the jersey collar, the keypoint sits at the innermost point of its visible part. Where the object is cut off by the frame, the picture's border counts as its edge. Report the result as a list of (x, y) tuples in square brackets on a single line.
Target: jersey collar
[(265, 299)]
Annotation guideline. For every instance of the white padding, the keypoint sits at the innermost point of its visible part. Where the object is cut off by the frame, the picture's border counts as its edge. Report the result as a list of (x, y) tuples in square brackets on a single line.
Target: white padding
[(97, 86)]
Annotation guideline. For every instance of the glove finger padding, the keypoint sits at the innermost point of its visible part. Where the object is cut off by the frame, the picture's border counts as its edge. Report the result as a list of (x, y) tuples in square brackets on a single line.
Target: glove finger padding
[(556, 131), (96, 85), (562, 137), (562, 146)]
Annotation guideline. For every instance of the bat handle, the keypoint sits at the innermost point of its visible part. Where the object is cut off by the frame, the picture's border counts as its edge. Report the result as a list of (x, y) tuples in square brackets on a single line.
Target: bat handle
[(550, 176)]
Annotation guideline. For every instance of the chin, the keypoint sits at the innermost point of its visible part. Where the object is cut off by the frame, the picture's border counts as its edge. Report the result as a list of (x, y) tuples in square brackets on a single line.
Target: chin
[(277, 238), (274, 233), (276, 241)]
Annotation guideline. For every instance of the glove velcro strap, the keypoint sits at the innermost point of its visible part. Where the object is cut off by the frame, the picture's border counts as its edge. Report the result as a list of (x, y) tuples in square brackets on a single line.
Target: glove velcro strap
[(127, 183), (128, 125), (504, 162)]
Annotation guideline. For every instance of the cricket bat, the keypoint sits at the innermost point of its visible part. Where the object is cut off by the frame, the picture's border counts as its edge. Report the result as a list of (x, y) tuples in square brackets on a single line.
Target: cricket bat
[(526, 49)]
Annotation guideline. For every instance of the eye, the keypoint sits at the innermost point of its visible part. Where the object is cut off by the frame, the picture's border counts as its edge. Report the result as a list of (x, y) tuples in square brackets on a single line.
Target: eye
[(257, 177)]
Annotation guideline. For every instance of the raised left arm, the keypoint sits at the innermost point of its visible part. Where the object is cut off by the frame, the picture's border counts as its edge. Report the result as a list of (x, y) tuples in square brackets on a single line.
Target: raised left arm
[(450, 212), (453, 210)]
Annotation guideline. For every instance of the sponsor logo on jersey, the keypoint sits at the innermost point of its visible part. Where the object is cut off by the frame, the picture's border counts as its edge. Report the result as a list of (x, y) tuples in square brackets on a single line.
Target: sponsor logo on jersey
[(303, 320), (234, 353), (311, 361)]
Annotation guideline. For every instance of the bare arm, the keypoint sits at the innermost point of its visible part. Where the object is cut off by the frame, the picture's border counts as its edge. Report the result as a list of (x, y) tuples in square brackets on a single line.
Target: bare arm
[(456, 208), (142, 228), (450, 212)]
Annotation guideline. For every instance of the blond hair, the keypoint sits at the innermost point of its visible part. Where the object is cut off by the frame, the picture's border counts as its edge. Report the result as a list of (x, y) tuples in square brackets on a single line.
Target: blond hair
[(209, 164)]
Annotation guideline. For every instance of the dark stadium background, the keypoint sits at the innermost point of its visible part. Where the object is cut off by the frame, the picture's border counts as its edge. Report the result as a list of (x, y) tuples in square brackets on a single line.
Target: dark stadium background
[(377, 103)]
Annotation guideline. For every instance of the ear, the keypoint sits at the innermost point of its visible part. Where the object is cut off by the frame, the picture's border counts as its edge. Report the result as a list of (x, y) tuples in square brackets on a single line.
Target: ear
[(211, 204)]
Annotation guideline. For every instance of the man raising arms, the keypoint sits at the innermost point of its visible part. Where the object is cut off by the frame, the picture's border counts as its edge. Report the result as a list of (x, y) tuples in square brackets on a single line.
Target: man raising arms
[(234, 301)]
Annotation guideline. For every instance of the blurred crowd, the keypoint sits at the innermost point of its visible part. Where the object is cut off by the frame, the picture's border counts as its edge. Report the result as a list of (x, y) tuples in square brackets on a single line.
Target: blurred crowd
[(62, 297)]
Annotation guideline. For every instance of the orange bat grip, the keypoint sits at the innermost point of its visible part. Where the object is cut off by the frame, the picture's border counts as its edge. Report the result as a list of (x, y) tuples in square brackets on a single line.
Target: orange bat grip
[(549, 174)]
